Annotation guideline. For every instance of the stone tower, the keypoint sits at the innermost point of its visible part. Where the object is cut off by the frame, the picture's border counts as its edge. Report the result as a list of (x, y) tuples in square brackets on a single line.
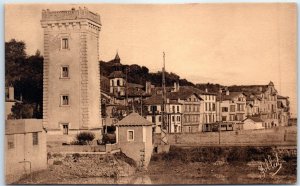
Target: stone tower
[(71, 92)]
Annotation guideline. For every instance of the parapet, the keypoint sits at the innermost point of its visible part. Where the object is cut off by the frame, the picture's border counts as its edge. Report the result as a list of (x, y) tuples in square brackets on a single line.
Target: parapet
[(72, 14)]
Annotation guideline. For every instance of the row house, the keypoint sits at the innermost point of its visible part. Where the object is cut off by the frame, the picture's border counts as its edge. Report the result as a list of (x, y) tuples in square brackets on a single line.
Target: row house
[(190, 109), (261, 102), (231, 109), (173, 114), (208, 109)]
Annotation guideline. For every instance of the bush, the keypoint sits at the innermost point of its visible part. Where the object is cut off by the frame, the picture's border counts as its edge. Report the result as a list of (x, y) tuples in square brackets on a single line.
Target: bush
[(85, 137), (109, 139)]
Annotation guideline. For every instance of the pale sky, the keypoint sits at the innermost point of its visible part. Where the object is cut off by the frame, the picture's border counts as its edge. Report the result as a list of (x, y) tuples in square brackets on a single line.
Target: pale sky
[(217, 43)]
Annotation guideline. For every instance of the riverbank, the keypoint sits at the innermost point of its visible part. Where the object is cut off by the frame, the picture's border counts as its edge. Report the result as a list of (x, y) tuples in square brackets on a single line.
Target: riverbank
[(70, 168), (197, 165)]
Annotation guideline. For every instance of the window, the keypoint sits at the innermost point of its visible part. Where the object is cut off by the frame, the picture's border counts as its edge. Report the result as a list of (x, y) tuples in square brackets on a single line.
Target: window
[(10, 142), (190, 129), (64, 100), (177, 108), (173, 118), (173, 108), (232, 108), (178, 118), (118, 82), (224, 109), (213, 107), (65, 129), (159, 118), (35, 138), (223, 118), (130, 135), (64, 72), (65, 43), (153, 119)]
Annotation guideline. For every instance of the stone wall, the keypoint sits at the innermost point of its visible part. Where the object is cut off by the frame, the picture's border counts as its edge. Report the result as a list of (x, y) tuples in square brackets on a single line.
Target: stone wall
[(279, 135)]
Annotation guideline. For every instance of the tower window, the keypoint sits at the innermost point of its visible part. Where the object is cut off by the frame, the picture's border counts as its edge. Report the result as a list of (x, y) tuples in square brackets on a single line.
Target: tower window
[(35, 138), (64, 100), (65, 43), (65, 128), (64, 72)]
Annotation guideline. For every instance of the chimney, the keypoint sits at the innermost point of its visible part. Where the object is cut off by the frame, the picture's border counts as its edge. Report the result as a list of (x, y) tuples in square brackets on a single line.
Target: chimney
[(227, 92), (148, 87), (11, 93), (168, 100), (206, 90), (220, 90)]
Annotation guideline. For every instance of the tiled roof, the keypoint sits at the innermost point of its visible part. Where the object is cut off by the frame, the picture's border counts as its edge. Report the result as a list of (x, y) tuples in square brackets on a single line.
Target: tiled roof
[(255, 119), (195, 90), (158, 100), (117, 74), (134, 119), (182, 95), (231, 96)]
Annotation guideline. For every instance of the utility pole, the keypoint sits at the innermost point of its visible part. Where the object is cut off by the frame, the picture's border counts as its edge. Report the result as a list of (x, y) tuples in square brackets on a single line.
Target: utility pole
[(220, 116), (164, 139)]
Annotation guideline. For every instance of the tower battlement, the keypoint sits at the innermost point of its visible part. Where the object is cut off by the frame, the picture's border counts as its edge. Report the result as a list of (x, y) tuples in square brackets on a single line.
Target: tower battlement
[(72, 14)]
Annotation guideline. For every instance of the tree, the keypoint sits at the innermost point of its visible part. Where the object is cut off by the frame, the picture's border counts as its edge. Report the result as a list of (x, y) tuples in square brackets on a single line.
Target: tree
[(25, 73)]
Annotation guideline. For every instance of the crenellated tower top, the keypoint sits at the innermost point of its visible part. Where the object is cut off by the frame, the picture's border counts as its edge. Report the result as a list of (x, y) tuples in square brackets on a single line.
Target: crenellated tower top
[(72, 14)]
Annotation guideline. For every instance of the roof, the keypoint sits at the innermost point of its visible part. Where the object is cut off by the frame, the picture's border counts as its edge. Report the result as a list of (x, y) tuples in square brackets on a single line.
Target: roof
[(133, 119), (231, 96), (182, 95), (158, 100), (117, 74), (21, 126), (195, 90), (282, 97), (135, 85), (117, 56), (255, 119)]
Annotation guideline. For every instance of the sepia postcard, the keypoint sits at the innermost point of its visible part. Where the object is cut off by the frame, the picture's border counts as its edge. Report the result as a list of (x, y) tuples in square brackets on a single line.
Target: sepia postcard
[(151, 93)]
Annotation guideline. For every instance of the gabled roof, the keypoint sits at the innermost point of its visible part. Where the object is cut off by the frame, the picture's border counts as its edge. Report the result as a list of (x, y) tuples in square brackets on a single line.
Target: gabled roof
[(255, 119), (183, 95), (117, 74), (133, 119)]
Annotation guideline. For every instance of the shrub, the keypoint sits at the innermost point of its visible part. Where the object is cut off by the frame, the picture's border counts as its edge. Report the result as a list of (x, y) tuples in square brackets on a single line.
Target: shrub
[(109, 138), (85, 137)]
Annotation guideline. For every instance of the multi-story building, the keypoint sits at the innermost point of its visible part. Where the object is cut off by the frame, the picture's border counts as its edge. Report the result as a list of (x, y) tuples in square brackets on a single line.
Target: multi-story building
[(208, 109), (231, 107), (71, 79), (173, 114), (190, 109), (266, 100)]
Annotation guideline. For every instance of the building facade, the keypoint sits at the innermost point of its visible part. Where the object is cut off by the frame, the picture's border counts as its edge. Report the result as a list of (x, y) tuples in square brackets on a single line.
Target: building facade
[(25, 148), (71, 92), (173, 114)]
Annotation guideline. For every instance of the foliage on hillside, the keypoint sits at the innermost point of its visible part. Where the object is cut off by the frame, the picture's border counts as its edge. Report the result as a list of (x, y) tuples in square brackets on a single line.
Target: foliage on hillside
[(140, 74), (25, 73)]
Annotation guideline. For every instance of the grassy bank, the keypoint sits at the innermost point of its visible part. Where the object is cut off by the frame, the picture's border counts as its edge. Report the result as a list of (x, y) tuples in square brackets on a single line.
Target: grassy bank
[(220, 165)]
